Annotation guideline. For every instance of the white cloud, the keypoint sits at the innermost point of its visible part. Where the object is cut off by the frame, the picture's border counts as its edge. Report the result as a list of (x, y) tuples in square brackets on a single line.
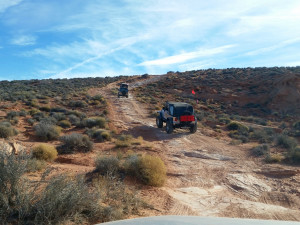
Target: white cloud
[(24, 40), (273, 47), (180, 58), (5, 4), (120, 44)]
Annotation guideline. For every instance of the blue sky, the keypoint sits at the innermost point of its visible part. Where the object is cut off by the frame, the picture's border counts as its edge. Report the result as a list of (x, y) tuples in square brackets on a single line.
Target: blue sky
[(76, 38)]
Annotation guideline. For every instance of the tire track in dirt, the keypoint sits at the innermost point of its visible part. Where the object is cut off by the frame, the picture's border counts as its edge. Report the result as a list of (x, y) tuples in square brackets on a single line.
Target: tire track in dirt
[(206, 176)]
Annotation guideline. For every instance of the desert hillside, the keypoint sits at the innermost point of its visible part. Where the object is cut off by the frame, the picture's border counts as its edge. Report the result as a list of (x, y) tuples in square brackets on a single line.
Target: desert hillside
[(94, 157)]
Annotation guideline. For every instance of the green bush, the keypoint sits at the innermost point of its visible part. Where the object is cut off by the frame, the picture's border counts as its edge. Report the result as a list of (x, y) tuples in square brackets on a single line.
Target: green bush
[(77, 104), (107, 165), (238, 131), (74, 119), (58, 116), (242, 129), (296, 125), (286, 142), (49, 120), (44, 152), (31, 121), (6, 130), (46, 131), (34, 165), (39, 116), (94, 122), (263, 135), (294, 155), (260, 150), (10, 115), (99, 134), (64, 124), (106, 135), (75, 143), (45, 108), (149, 169)]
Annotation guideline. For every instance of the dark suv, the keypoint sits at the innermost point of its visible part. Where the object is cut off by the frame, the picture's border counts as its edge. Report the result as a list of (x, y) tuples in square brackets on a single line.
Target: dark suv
[(123, 90), (177, 115)]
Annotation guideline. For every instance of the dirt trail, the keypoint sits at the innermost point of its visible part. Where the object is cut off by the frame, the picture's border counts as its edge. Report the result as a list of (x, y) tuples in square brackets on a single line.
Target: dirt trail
[(206, 176)]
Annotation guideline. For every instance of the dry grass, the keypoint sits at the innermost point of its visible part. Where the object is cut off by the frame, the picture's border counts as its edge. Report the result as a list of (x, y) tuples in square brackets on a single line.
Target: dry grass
[(44, 152)]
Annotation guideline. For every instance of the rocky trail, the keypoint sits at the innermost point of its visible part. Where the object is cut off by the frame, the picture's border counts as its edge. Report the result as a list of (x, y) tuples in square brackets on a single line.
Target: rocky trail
[(206, 176)]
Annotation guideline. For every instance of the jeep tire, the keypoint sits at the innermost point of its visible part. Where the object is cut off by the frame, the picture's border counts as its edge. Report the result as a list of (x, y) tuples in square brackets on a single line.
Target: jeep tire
[(169, 127), (159, 122), (193, 128)]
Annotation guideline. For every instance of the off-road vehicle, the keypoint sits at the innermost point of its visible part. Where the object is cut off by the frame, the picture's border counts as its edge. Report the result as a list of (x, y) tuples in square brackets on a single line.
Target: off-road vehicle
[(177, 115), (123, 90)]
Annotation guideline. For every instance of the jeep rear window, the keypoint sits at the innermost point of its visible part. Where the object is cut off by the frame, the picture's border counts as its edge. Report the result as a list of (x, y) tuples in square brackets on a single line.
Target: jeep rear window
[(180, 110)]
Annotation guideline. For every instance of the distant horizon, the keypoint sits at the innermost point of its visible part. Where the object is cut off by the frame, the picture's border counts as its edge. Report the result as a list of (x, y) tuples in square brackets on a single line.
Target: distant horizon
[(131, 75), (75, 39)]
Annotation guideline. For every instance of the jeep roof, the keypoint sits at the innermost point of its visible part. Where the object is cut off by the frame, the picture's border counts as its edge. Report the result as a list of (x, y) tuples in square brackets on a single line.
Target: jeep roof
[(179, 104), (124, 85), (181, 107)]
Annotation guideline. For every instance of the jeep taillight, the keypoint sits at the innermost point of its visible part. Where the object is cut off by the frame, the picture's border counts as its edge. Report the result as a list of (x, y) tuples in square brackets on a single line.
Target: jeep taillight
[(187, 118)]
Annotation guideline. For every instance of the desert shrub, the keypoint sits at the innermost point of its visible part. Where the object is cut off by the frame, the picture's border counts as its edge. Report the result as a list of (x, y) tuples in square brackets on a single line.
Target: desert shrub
[(74, 119), (273, 158), (34, 165), (238, 131), (106, 135), (38, 116), (286, 142), (119, 200), (294, 155), (64, 124), (46, 131), (64, 198), (137, 141), (236, 135), (263, 135), (22, 112), (107, 164), (58, 116), (33, 111), (296, 125), (10, 115), (93, 122), (58, 199), (295, 131), (44, 152), (31, 121), (224, 120), (148, 169), (75, 143), (242, 129), (99, 134), (45, 108), (77, 104), (98, 98), (49, 120), (124, 141), (58, 109), (6, 130), (260, 150), (81, 115)]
